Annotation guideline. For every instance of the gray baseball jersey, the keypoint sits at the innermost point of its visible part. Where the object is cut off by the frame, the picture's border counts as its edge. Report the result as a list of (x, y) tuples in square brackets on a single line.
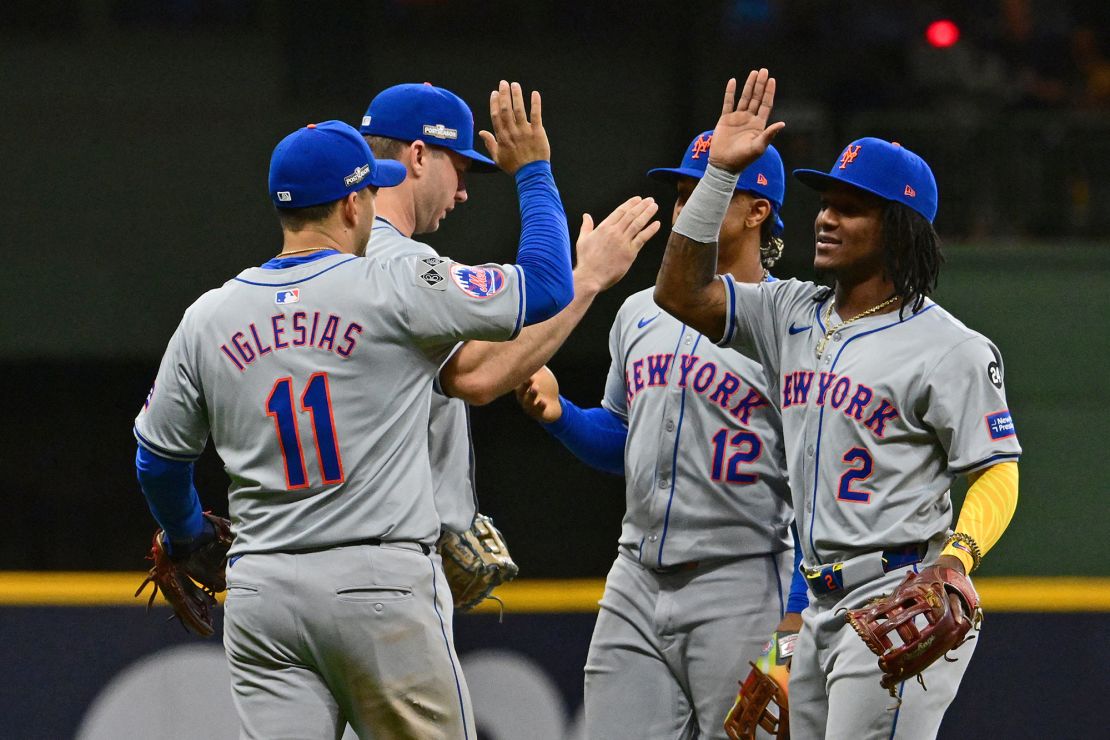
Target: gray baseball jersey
[(704, 460), (314, 382), (879, 424), (450, 444)]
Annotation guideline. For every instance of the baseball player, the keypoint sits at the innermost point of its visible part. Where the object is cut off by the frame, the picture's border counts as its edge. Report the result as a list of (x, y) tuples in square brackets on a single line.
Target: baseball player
[(431, 131), (885, 399), (311, 373), (705, 554)]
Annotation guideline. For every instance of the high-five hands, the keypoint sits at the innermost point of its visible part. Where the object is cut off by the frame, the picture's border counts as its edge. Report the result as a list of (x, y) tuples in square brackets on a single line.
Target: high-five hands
[(607, 251), (742, 133), (515, 140)]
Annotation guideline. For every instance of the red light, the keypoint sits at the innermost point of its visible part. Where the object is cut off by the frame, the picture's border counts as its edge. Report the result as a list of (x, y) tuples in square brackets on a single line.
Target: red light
[(942, 34)]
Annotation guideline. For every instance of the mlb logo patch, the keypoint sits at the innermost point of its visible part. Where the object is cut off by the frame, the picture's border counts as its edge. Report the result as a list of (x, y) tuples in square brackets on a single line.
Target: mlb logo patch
[(1000, 425), (366, 120), (284, 196), (287, 296), (478, 282)]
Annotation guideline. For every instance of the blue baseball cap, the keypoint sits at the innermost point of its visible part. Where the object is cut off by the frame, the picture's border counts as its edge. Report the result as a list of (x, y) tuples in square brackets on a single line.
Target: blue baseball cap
[(882, 168), (764, 177), (423, 111), (323, 162)]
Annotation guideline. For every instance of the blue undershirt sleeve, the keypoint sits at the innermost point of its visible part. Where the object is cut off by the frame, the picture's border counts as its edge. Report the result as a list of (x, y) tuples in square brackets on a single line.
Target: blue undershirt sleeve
[(596, 436), (799, 592), (544, 251), (170, 494)]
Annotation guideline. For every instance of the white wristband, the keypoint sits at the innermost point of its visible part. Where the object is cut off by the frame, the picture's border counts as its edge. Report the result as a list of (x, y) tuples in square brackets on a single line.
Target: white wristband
[(704, 212)]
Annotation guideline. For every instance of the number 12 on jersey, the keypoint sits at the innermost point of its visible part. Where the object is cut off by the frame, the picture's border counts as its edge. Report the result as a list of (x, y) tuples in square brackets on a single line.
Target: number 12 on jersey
[(748, 449), (316, 400)]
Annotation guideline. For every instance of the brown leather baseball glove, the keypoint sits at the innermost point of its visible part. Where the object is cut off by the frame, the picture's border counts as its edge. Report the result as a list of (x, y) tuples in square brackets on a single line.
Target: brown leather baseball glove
[(762, 701), (190, 578), (475, 562), (929, 614)]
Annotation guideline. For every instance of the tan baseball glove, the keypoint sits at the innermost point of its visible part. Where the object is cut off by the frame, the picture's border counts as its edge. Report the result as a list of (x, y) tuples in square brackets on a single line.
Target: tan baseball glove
[(475, 562)]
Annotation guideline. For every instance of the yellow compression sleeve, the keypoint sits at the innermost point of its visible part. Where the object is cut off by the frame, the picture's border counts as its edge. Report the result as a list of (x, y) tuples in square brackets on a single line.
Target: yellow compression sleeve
[(987, 510)]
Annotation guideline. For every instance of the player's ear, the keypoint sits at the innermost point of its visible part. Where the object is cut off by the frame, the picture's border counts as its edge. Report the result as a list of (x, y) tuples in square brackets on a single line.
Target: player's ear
[(418, 157), (758, 212), (349, 208)]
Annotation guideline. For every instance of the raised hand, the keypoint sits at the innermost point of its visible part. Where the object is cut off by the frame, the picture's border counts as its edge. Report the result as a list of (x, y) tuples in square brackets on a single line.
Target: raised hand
[(605, 253), (742, 133), (539, 396), (515, 140)]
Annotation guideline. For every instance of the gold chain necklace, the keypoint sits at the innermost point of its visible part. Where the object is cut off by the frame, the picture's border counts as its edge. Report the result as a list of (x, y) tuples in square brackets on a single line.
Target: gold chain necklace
[(823, 341), (302, 251)]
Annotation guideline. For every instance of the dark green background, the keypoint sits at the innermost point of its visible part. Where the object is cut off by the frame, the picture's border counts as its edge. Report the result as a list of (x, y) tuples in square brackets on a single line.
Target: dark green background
[(135, 139)]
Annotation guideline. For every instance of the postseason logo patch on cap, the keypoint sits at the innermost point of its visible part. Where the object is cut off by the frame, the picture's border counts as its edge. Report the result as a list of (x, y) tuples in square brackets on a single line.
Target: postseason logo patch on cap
[(1000, 425), (478, 282), (360, 174), (440, 131)]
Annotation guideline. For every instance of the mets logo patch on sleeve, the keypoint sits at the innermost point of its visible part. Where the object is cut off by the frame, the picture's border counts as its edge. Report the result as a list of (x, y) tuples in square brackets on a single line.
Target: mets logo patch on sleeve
[(478, 282), (1000, 425)]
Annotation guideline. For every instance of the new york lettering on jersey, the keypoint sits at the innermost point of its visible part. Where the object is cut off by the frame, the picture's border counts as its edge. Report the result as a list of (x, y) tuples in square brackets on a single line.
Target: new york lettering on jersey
[(872, 417), (715, 459)]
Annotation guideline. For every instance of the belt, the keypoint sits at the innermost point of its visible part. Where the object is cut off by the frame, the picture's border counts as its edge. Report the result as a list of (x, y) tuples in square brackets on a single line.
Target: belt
[(840, 577), (372, 541)]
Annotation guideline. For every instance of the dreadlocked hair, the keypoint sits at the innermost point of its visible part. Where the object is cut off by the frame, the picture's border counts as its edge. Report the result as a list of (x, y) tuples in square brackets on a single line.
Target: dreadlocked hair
[(770, 246), (911, 254)]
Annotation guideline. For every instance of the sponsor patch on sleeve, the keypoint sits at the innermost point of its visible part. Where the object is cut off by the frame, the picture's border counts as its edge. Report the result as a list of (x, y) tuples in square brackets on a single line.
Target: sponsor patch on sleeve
[(1000, 425), (478, 282)]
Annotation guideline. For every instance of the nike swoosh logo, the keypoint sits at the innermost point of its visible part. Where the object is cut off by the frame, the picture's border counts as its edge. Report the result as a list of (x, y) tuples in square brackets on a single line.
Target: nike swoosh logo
[(644, 322), (799, 329)]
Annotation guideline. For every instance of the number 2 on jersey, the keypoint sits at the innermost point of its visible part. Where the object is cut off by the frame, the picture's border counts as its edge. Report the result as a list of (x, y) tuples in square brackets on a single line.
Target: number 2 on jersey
[(750, 448), (316, 400), (863, 472)]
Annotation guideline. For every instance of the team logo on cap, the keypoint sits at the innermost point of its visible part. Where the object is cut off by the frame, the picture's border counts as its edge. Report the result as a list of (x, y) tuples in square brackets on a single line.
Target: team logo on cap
[(760, 179), (910, 192), (849, 155), (284, 196), (440, 131), (287, 296), (701, 144), (478, 282), (360, 174)]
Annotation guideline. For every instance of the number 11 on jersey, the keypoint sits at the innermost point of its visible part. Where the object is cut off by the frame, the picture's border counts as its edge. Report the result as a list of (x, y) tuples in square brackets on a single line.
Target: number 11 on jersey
[(316, 400)]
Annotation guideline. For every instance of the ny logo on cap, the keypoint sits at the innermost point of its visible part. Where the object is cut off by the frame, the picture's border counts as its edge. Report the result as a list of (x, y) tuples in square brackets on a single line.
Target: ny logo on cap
[(849, 155), (910, 192), (701, 144), (760, 179)]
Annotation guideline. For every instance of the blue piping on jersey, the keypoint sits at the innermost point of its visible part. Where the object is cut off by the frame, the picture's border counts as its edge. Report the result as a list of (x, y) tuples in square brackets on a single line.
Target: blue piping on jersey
[(177, 456), (677, 438), (520, 302), (901, 688), (302, 280), (778, 580), (730, 317), (447, 644), (821, 414), (988, 461)]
